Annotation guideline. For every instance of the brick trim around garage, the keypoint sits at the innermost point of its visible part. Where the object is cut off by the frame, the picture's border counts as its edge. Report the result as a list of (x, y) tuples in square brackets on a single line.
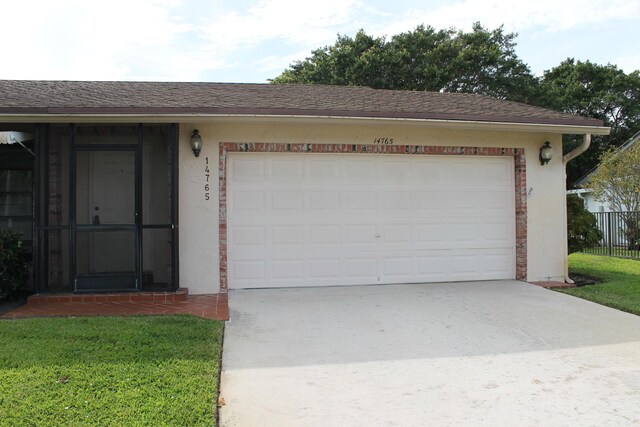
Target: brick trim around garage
[(520, 174)]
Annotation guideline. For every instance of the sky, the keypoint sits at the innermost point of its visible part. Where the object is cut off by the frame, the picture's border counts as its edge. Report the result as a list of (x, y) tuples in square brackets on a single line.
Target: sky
[(251, 41)]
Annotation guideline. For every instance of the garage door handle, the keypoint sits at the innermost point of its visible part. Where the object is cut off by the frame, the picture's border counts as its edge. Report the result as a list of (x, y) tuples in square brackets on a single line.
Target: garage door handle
[(377, 235)]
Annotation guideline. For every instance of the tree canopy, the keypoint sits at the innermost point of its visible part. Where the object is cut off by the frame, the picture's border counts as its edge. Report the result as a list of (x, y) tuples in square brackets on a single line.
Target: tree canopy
[(481, 61), (617, 182), (617, 179), (601, 91)]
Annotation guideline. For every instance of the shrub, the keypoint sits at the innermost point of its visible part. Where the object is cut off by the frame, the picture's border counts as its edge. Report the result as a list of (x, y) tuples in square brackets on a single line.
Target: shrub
[(14, 270), (582, 227)]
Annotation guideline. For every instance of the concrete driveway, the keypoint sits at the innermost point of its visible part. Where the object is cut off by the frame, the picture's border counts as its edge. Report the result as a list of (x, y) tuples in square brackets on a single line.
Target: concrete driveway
[(477, 353)]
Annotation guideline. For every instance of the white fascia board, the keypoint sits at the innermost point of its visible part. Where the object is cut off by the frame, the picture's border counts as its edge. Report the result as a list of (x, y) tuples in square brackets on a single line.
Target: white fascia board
[(291, 119)]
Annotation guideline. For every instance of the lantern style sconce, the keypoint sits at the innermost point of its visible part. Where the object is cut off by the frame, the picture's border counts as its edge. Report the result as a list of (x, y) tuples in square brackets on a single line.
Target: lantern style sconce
[(546, 152), (196, 142)]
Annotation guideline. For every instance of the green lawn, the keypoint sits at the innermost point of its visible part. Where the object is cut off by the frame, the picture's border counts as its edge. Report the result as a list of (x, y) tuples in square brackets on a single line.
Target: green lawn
[(109, 371), (620, 287)]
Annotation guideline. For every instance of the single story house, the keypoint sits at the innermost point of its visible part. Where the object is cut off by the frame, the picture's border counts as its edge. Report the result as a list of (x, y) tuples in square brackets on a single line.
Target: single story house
[(586, 194), (136, 186)]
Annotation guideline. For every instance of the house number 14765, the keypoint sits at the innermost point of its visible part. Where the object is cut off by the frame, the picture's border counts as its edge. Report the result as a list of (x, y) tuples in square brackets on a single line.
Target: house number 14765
[(207, 174), (383, 141)]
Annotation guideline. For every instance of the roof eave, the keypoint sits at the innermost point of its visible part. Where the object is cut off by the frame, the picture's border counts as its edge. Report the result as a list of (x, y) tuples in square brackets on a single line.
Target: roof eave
[(198, 117)]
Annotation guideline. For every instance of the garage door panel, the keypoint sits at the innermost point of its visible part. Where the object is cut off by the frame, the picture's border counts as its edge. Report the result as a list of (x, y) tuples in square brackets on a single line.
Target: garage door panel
[(360, 171), (322, 171), (494, 265), (463, 267), (362, 268), (359, 235), (248, 201), (292, 269), (287, 235), (462, 201), (430, 201), (494, 200), (321, 235), (431, 268), (346, 219), (249, 269), (327, 268), (431, 235), (322, 200), (497, 233), (463, 171), (490, 173), (395, 171), (249, 235), (360, 201), (248, 170), (431, 172), (396, 234), (395, 200), (287, 200), (286, 170), (397, 268), (460, 234)]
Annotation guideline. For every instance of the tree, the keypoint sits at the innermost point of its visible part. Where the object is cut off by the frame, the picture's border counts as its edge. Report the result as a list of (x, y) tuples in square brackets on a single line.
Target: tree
[(600, 91), (481, 61), (617, 182), (14, 270), (582, 226)]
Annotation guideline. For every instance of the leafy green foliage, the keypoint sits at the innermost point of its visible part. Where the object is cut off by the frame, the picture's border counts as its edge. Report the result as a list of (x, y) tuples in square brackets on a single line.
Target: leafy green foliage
[(601, 91), (582, 227), (143, 371), (617, 182), (620, 278), (481, 61), (14, 270), (617, 179)]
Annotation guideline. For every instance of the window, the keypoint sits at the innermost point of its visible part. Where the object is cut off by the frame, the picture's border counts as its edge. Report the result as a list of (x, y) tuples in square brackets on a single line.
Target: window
[(16, 192)]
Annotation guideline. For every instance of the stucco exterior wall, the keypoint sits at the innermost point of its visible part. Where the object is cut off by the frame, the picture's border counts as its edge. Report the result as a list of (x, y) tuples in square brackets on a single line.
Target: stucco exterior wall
[(198, 228)]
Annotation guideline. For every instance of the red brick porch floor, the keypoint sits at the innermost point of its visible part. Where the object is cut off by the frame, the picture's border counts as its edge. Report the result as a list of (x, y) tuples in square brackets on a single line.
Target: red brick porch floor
[(213, 306)]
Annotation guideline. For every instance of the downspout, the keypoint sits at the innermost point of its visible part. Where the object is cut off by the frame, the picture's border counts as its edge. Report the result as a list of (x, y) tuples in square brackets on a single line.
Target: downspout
[(586, 142)]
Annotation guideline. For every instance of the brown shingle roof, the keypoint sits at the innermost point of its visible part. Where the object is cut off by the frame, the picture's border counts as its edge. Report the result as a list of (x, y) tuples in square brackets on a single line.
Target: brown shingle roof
[(90, 97)]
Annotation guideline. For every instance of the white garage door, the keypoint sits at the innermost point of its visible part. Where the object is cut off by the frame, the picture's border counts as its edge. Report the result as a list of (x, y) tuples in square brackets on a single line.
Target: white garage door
[(345, 219)]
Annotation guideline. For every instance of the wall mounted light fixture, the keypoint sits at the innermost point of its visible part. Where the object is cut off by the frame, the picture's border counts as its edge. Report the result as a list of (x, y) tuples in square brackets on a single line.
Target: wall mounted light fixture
[(546, 152), (196, 142)]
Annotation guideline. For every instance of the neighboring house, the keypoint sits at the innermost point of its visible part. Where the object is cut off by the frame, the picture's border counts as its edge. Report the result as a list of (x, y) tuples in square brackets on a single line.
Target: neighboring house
[(295, 185), (611, 222), (590, 202), (586, 194)]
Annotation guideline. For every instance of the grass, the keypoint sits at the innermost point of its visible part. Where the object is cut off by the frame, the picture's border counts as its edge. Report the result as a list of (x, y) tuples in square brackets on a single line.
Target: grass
[(109, 371), (620, 287)]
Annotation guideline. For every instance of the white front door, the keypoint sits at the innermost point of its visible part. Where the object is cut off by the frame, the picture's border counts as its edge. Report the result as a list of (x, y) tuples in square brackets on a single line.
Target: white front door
[(345, 219)]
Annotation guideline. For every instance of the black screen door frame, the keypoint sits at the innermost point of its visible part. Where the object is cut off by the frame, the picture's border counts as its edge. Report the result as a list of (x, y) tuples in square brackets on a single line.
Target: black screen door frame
[(107, 281)]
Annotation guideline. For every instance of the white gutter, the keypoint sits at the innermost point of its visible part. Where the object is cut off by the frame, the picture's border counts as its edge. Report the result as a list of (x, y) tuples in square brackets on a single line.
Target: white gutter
[(199, 117), (586, 142)]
